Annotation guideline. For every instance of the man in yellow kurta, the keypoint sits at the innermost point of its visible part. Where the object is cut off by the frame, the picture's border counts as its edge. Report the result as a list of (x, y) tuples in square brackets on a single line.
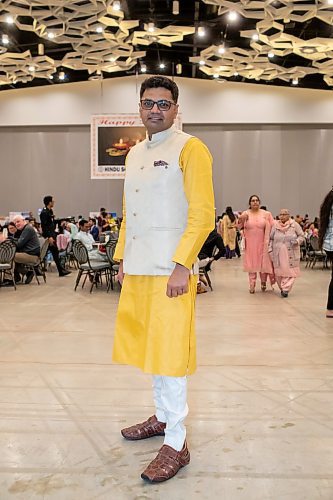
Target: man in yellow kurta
[(168, 213)]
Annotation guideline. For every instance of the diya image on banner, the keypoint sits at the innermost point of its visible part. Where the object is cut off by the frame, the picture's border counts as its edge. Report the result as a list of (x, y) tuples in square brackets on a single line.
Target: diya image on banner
[(115, 142)]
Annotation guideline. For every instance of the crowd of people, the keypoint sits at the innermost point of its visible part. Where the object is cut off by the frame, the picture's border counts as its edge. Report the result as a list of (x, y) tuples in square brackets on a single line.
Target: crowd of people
[(29, 236)]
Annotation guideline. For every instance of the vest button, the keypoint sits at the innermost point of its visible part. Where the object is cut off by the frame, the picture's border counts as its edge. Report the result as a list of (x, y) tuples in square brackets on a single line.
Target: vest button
[(136, 190), (134, 237), (142, 167), (134, 213)]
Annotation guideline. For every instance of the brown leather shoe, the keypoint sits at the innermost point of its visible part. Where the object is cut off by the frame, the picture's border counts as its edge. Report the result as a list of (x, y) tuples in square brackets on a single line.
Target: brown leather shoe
[(166, 464), (147, 429)]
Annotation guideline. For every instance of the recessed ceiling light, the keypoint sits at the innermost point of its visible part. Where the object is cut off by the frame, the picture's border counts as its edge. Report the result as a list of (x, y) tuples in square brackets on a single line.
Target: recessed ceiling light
[(201, 31), (294, 81), (116, 5), (99, 29), (309, 50), (236, 74), (112, 59), (175, 7), (143, 68), (221, 49), (5, 39), (31, 68), (202, 62), (255, 36), (232, 16), (62, 75), (179, 69), (9, 20), (270, 54), (151, 27), (51, 77), (216, 75), (51, 35), (162, 66)]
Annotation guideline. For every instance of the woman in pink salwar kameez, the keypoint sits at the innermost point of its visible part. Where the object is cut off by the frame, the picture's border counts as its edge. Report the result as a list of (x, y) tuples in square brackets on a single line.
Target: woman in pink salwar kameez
[(284, 248), (256, 224)]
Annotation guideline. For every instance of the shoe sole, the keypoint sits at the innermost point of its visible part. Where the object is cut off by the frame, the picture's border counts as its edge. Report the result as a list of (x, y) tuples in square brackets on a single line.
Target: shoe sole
[(154, 481)]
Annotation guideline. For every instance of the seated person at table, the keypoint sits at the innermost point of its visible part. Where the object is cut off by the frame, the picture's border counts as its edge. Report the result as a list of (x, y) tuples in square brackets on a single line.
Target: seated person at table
[(72, 229), (213, 240), (94, 231), (28, 248), (12, 231), (88, 241)]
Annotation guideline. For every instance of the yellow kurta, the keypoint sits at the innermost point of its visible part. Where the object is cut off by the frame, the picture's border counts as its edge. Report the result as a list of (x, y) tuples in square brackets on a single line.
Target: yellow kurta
[(154, 332)]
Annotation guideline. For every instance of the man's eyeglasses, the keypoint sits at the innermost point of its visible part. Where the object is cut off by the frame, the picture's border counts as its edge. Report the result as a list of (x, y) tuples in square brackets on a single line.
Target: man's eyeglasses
[(162, 104)]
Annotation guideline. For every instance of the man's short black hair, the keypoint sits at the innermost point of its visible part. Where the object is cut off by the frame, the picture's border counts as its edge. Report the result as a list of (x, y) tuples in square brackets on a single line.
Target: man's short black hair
[(47, 199), (82, 222), (154, 82)]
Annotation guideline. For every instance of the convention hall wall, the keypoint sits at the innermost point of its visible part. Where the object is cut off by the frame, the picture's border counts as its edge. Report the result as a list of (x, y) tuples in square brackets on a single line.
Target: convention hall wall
[(266, 140)]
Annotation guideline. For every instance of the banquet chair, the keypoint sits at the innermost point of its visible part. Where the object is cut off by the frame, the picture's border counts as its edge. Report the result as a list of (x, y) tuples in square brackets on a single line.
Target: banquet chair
[(317, 253), (7, 254), (114, 266), (95, 270), (39, 265)]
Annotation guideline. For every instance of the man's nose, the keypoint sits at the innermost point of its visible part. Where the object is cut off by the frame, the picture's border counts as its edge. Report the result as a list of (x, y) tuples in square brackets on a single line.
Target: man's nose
[(157, 108)]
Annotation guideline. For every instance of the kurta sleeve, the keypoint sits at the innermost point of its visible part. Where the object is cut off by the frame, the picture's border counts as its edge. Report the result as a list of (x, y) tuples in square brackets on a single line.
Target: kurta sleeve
[(120, 247), (196, 165)]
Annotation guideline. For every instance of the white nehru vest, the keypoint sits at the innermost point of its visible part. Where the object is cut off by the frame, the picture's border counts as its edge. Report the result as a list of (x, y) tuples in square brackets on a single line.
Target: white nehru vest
[(156, 206)]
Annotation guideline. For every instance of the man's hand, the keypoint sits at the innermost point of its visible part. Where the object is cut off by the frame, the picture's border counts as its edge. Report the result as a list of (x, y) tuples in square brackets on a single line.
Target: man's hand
[(120, 275), (178, 281), (51, 241)]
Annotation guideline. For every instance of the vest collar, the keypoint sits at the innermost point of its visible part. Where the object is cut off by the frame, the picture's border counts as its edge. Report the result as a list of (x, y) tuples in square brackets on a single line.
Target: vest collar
[(160, 136)]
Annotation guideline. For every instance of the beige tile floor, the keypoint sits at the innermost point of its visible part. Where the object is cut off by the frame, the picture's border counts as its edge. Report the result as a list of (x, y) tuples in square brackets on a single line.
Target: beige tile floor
[(261, 403)]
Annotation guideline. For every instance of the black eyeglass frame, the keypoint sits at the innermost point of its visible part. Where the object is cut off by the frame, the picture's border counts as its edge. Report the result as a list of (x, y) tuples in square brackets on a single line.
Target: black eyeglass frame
[(158, 104)]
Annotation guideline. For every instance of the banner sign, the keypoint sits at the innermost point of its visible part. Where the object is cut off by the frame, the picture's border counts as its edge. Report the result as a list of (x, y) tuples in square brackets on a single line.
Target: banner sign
[(112, 137)]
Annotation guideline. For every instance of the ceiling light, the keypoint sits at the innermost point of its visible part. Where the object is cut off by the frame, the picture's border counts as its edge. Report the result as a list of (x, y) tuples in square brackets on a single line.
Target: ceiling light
[(112, 59), (236, 74), (99, 29), (179, 69), (116, 5), (51, 35), (143, 68), (202, 62), (151, 27), (5, 39), (255, 37), (309, 50), (31, 68), (9, 20), (175, 7), (162, 66), (221, 49), (51, 77), (270, 54), (216, 75), (201, 31), (62, 75), (294, 81), (232, 16)]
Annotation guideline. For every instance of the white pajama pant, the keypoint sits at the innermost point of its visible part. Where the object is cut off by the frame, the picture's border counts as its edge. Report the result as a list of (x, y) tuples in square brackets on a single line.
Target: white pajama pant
[(170, 395)]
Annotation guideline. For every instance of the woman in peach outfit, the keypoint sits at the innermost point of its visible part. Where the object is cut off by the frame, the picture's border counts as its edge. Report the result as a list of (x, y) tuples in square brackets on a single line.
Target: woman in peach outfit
[(256, 224), (285, 241)]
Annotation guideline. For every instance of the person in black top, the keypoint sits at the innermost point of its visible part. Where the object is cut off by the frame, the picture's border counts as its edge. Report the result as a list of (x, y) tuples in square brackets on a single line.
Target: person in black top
[(213, 240), (48, 231)]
